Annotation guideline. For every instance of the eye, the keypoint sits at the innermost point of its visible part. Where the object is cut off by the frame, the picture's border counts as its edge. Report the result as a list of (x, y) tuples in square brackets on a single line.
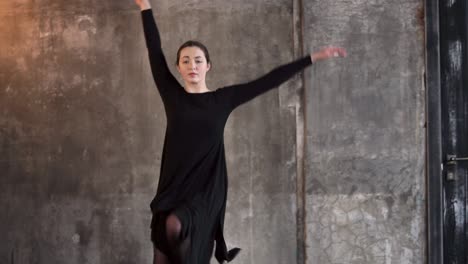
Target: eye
[(198, 61)]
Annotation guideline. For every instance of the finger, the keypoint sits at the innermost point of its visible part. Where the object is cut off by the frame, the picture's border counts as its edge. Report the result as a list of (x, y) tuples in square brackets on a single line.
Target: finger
[(332, 51), (343, 52), (339, 52), (335, 52)]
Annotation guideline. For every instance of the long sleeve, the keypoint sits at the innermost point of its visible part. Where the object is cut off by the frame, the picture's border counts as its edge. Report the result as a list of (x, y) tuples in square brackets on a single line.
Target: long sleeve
[(162, 76), (236, 95)]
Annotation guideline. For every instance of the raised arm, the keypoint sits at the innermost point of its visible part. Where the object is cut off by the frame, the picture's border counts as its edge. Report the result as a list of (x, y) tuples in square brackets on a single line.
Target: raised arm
[(162, 76), (236, 95)]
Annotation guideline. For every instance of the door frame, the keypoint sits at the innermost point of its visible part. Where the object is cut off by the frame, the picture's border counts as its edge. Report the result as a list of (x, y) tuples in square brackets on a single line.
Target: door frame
[(434, 159)]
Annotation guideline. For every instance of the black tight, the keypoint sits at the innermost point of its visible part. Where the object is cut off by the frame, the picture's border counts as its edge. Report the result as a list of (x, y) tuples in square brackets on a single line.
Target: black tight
[(178, 248), (159, 257)]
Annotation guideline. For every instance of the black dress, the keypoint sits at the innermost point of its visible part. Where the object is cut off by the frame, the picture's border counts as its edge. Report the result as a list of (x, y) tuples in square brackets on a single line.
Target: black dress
[(193, 176)]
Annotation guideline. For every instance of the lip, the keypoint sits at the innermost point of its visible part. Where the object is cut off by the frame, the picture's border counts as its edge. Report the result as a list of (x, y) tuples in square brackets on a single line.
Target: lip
[(192, 74)]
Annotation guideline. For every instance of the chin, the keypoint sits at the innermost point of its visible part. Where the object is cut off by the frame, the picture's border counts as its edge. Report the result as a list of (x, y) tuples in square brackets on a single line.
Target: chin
[(194, 80)]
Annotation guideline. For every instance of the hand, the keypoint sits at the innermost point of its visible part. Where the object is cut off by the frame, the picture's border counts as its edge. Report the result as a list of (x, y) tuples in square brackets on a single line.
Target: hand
[(328, 52), (143, 4)]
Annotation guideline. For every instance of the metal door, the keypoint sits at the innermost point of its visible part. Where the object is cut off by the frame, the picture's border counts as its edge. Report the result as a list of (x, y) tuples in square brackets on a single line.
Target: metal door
[(454, 126)]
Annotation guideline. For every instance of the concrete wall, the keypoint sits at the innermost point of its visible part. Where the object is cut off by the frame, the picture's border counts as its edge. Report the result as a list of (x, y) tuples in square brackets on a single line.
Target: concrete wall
[(365, 134), (81, 129)]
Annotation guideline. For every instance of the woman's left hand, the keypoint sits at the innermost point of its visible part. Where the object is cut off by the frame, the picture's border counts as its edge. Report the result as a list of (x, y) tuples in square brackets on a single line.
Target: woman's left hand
[(327, 53)]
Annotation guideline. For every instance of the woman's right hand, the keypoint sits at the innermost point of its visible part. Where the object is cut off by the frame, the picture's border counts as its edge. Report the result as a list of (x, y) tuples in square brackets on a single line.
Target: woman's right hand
[(143, 4)]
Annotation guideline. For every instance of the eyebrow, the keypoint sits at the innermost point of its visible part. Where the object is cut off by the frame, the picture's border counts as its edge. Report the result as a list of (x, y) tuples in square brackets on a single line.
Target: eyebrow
[(197, 57)]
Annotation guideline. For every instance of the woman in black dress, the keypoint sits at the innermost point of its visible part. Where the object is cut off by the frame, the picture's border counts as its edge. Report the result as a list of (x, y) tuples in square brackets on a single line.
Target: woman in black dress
[(190, 203)]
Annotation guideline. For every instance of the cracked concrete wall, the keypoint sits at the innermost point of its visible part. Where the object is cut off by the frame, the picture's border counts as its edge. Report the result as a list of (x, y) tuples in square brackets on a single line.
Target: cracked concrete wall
[(365, 184), (81, 129), (82, 125)]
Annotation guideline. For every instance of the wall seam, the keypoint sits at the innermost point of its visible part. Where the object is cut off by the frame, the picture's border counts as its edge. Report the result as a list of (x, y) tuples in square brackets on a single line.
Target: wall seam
[(298, 47)]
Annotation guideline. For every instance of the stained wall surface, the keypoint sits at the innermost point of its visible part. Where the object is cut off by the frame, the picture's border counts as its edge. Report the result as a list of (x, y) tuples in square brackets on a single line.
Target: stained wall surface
[(365, 184), (82, 125)]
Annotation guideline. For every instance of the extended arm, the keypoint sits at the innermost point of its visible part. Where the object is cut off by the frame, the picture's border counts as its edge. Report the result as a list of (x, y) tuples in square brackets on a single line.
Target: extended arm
[(236, 95), (241, 93), (161, 73)]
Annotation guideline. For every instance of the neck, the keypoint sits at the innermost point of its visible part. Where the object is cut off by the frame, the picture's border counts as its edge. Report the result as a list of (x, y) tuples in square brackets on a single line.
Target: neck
[(196, 87)]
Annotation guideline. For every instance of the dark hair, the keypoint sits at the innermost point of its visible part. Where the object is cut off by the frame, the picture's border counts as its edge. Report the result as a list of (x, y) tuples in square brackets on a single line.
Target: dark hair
[(194, 43)]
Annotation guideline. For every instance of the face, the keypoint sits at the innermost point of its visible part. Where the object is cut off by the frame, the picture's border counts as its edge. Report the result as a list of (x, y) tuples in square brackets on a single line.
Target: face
[(193, 65)]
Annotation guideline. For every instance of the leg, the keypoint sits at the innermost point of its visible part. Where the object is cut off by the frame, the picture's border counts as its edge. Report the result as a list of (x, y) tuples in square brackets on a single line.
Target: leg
[(179, 247), (159, 257), (157, 238)]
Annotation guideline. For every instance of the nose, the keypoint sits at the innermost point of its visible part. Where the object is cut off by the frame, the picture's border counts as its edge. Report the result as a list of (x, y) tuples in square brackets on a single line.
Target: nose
[(193, 65)]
